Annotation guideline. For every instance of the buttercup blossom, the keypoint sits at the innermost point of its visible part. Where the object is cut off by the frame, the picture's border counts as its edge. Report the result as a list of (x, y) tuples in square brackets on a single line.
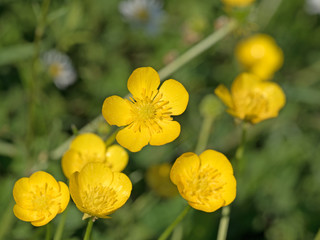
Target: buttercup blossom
[(251, 99), (146, 117), (39, 198), (89, 147), (205, 181), (260, 54), (237, 3), (158, 179), (97, 191)]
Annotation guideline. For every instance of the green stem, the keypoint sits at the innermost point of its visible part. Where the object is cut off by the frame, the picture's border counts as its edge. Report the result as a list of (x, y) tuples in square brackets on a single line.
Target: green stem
[(89, 229), (197, 49), (59, 231), (7, 220), (48, 231), (224, 220), (224, 223), (170, 228), (204, 134)]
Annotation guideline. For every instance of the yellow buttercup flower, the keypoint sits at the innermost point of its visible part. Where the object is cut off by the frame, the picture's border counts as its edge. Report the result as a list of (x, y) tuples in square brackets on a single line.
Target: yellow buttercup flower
[(39, 198), (89, 147), (205, 181), (260, 55), (158, 179), (147, 117), (97, 191), (252, 100), (237, 3)]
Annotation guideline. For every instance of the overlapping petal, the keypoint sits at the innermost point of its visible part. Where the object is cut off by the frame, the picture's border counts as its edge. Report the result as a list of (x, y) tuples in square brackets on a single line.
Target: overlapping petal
[(170, 130), (117, 111), (133, 140), (176, 95)]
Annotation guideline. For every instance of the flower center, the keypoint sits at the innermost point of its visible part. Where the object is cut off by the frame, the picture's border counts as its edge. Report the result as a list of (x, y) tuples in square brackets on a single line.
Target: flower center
[(99, 199), (142, 14), (55, 69), (44, 198), (205, 184), (255, 105), (149, 111)]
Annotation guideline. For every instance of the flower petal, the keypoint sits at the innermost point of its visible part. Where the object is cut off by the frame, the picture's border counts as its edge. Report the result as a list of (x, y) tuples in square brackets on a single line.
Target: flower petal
[(228, 192), (117, 111), (210, 206), (22, 193), (177, 96), (133, 140), (72, 162), (65, 196), (170, 131), (75, 190), (223, 93), (184, 167), (213, 159), (43, 221), (41, 179), (25, 214), (143, 82)]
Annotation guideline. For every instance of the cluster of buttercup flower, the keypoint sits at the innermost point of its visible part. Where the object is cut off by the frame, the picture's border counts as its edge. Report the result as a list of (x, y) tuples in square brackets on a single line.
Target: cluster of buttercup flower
[(252, 98)]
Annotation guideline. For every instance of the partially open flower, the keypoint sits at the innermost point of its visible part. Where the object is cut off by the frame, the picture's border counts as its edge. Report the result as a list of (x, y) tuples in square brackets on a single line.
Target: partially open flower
[(251, 99), (39, 198), (97, 191), (260, 55), (205, 181), (147, 117)]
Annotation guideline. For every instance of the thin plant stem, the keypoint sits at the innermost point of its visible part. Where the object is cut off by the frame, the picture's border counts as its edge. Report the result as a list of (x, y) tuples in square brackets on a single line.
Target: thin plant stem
[(89, 229), (48, 231), (197, 49), (224, 223), (59, 231), (225, 218), (170, 228), (204, 134), (7, 220)]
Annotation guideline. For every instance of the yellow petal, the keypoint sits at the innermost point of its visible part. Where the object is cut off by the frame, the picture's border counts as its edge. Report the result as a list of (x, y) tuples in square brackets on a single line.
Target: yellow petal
[(216, 160), (75, 190), (42, 179), (22, 193), (177, 96), (170, 131), (116, 158), (43, 221), (88, 143), (134, 141), (209, 206), (143, 82), (122, 186), (184, 167), (117, 111), (223, 93), (65, 196), (72, 162), (25, 214), (228, 192)]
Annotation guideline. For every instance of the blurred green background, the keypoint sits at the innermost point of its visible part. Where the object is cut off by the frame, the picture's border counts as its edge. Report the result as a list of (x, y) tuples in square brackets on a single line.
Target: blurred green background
[(278, 196)]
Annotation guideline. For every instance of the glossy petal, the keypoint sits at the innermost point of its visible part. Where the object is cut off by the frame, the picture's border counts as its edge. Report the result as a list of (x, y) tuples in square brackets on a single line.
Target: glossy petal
[(88, 143), (22, 193), (75, 190), (177, 96), (116, 158), (65, 196), (117, 111), (223, 93), (216, 160), (25, 214), (143, 82), (170, 131), (211, 206), (133, 140), (184, 167), (42, 179), (229, 189), (72, 162)]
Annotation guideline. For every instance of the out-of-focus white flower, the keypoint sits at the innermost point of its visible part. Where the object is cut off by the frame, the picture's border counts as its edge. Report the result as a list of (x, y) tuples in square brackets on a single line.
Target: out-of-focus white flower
[(146, 14), (312, 6), (60, 68)]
